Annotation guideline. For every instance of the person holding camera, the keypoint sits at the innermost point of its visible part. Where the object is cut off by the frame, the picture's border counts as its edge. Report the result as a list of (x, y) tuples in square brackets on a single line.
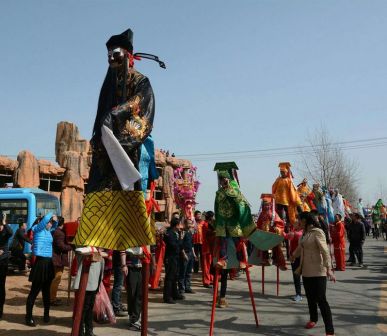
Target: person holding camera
[(42, 272), (18, 243), (5, 234)]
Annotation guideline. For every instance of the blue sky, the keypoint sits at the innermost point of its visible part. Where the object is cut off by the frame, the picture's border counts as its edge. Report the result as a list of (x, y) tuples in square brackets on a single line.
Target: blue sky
[(241, 75)]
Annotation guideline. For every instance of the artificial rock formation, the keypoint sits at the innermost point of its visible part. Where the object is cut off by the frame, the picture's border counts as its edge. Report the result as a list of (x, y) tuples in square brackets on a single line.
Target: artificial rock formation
[(27, 172), (73, 154), (7, 164), (50, 168)]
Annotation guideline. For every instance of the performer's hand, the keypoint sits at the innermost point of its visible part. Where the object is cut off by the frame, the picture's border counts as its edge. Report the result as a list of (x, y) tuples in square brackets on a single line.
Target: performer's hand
[(1, 252), (331, 276), (125, 270)]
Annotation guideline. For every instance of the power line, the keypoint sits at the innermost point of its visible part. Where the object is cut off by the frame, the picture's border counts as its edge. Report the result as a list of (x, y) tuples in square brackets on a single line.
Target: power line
[(286, 153), (283, 148)]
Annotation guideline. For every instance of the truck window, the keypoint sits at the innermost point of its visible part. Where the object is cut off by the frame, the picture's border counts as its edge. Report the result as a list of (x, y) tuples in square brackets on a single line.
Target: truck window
[(15, 209), (46, 203)]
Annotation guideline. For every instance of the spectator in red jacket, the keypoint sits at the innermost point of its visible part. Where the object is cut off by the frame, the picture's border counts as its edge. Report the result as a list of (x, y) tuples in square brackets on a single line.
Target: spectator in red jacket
[(338, 240)]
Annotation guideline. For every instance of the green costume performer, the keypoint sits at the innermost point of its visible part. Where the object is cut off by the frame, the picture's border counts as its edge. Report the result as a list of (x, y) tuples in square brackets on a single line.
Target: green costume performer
[(232, 211), (233, 217), (377, 212)]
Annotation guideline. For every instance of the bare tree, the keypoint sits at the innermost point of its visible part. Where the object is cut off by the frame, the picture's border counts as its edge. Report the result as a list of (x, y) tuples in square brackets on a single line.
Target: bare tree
[(324, 162)]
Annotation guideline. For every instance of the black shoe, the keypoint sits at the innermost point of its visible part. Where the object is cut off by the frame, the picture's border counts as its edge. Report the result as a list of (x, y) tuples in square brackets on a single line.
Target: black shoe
[(169, 301), (189, 291), (120, 313), (179, 297), (207, 286), (30, 322)]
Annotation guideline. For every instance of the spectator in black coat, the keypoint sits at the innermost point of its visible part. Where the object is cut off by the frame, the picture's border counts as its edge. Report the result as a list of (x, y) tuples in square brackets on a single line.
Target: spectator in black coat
[(173, 240), (5, 234), (356, 236), (18, 244)]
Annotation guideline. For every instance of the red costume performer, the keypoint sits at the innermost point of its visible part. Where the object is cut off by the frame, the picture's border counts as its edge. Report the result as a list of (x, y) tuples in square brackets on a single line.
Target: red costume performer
[(208, 242), (198, 241), (268, 220), (159, 249), (154, 279), (338, 240)]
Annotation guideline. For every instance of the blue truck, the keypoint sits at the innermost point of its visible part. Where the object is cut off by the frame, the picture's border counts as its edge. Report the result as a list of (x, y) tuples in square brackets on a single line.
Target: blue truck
[(26, 203)]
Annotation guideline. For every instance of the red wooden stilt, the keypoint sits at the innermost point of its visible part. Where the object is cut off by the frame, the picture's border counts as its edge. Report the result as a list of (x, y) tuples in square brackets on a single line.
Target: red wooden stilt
[(80, 301), (251, 295), (277, 281), (215, 296), (145, 289), (263, 280)]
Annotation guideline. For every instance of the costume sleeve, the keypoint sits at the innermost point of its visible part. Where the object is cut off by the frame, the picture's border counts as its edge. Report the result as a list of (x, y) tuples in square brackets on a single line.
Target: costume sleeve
[(279, 224), (310, 199), (103, 108), (219, 225), (323, 247), (134, 119), (293, 194), (274, 187)]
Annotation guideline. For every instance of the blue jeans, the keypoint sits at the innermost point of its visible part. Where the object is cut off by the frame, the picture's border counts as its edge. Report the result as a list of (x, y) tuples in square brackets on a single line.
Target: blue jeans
[(117, 287), (296, 277), (185, 273)]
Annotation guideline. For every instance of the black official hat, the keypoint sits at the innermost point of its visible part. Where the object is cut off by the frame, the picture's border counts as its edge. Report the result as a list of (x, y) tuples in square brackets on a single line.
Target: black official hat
[(124, 40)]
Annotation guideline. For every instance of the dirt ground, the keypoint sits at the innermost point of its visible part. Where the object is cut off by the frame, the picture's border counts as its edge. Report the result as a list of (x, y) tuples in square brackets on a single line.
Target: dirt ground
[(17, 289)]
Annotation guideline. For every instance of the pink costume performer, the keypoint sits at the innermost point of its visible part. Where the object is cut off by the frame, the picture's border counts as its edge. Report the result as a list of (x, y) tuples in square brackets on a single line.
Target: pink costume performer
[(185, 187)]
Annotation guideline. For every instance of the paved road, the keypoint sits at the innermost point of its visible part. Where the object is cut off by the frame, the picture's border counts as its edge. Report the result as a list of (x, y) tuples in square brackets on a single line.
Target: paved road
[(355, 300), (358, 300)]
